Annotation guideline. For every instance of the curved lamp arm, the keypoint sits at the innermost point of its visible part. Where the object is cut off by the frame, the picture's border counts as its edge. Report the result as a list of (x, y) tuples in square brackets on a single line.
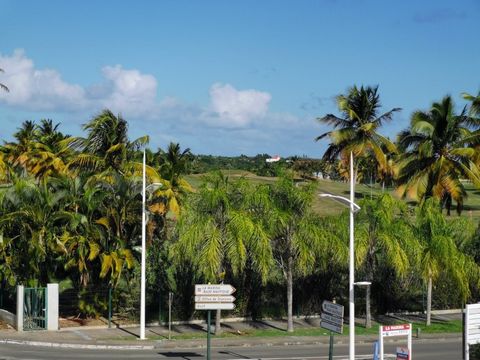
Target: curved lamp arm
[(342, 200)]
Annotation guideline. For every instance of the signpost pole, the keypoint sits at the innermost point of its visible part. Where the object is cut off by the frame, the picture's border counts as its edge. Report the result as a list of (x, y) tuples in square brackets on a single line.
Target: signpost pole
[(170, 300), (410, 343), (208, 334), (109, 307), (330, 350), (380, 340)]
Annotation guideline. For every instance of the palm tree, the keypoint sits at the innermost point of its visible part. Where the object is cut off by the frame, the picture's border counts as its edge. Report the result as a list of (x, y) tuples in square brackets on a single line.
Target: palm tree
[(438, 155), (83, 239), (107, 145), (440, 253), (2, 86), (173, 165), (32, 215), (120, 219), (19, 153), (356, 130), (384, 240), (217, 231), (475, 103), (40, 150), (296, 237), (474, 120)]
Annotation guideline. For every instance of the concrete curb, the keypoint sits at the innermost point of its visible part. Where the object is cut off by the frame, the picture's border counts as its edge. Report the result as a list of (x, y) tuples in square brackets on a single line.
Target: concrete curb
[(77, 346), (166, 344)]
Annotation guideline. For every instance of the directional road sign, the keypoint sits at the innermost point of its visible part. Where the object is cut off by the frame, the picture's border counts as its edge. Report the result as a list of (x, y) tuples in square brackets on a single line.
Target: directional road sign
[(214, 289), (214, 298), (332, 319), (332, 327), (332, 308), (214, 306)]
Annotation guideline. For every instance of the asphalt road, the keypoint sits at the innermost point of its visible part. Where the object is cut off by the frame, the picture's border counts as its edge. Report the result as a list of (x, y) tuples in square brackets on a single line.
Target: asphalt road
[(447, 349)]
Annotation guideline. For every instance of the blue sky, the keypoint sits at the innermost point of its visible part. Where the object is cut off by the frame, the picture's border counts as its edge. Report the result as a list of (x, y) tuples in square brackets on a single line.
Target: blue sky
[(230, 77)]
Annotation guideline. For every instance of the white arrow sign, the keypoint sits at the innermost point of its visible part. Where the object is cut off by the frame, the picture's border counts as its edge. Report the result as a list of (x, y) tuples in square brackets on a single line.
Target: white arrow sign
[(214, 306), (332, 327), (332, 308), (332, 319), (215, 289), (214, 298)]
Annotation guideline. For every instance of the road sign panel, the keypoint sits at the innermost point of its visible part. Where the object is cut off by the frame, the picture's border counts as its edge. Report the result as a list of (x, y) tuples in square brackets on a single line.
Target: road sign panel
[(214, 298), (331, 327), (332, 308), (332, 319), (214, 306), (214, 289), (396, 330)]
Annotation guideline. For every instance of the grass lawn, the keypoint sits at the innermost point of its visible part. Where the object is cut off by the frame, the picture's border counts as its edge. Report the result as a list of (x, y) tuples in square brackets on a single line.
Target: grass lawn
[(454, 326), (325, 207)]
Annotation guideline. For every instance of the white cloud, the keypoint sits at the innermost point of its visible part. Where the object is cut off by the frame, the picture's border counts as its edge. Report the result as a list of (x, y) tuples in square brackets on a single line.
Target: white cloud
[(237, 108), (130, 91), (239, 121), (126, 91), (37, 89), (122, 90)]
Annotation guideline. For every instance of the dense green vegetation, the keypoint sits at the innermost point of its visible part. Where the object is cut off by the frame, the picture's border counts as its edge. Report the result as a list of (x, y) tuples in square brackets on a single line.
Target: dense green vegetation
[(70, 212)]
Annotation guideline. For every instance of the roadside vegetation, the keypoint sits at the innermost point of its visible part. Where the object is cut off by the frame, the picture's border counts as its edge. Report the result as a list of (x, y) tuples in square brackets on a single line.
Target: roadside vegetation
[(70, 212)]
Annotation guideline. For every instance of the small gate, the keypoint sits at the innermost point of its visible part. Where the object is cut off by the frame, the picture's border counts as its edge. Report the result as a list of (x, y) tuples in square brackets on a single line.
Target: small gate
[(35, 309)]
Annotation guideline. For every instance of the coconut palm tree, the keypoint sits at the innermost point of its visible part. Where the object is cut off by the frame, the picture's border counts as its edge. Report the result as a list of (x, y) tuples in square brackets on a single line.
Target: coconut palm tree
[(438, 155), (474, 120), (40, 150), (19, 153), (107, 146), (356, 130), (475, 103), (173, 165)]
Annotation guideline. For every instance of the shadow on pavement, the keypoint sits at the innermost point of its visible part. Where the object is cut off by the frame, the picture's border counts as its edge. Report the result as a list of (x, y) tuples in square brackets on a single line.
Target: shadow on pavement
[(234, 354), (259, 324), (183, 354), (156, 333), (128, 332)]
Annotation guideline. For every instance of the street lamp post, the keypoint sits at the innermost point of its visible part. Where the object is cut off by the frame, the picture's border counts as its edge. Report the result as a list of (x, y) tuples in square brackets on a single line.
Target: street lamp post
[(351, 278), (144, 250)]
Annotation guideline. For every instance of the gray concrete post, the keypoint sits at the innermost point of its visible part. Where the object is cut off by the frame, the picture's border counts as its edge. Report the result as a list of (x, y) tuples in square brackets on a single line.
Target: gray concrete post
[(52, 307), (19, 322)]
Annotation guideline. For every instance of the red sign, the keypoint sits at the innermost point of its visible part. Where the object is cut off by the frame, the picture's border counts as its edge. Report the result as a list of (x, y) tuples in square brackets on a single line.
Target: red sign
[(396, 327), (396, 330)]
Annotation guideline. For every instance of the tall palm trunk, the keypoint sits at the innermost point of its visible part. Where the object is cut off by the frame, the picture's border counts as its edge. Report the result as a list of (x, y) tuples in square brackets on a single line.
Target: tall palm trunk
[(289, 294), (218, 317), (368, 317), (429, 301)]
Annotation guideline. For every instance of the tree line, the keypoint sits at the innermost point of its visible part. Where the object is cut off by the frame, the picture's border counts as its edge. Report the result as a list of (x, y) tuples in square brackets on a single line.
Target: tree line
[(70, 212)]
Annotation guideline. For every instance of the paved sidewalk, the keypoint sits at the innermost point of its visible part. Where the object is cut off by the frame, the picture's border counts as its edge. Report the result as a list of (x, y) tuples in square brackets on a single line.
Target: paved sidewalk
[(157, 336)]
